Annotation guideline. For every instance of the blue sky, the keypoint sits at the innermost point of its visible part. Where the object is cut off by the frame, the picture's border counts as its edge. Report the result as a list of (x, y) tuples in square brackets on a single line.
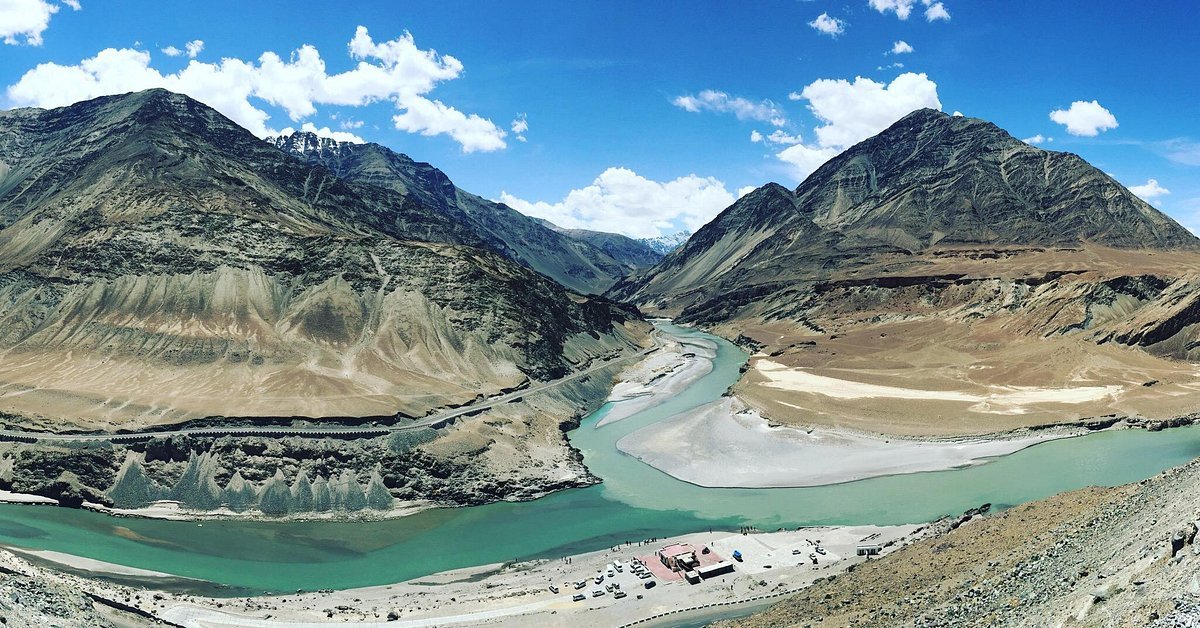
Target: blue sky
[(640, 116)]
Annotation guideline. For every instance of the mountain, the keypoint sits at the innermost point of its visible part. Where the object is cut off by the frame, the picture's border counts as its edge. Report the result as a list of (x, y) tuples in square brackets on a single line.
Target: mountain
[(665, 244), (573, 262), (159, 263), (633, 254), (939, 262), (930, 181)]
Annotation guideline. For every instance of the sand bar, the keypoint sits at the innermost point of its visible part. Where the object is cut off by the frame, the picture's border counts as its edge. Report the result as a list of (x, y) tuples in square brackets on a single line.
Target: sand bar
[(663, 375), (723, 444)]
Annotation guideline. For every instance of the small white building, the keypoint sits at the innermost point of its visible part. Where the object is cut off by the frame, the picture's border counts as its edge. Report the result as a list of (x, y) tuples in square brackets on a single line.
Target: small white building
[(868, 549)]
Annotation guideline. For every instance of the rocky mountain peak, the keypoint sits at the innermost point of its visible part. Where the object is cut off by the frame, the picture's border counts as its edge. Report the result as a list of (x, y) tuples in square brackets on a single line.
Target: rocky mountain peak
[(304, 143), (932, 179)]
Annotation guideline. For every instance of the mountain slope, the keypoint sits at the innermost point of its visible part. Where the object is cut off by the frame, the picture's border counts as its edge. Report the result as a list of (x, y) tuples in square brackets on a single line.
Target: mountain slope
[(633, 254), (930, 181), (573, 262), (914, 282), (159, 263)]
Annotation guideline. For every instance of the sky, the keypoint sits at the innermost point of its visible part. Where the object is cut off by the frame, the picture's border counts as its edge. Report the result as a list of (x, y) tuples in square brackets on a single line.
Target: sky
[(643, 118)]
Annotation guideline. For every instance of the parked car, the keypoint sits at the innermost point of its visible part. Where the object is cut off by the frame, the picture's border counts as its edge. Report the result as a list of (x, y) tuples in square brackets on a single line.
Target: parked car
[(579, 597), (619, 594), (598, 593), (553, 589), (650, 584)]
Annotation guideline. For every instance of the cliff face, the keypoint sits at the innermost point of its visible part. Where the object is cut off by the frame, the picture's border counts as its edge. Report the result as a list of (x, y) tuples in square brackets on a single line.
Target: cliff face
[(158, 263)]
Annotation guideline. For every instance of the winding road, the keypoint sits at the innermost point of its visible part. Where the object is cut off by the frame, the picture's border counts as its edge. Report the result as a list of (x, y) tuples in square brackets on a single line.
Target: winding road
[(435, 421)]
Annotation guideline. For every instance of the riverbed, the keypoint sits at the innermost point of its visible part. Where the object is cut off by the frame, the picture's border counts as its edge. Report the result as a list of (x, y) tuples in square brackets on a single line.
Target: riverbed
[(634, 502)]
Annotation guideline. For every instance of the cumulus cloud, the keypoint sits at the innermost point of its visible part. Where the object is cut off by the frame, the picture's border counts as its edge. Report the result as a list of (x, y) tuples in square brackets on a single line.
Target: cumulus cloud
[(936, 11), (1085, 118), (172, 51), (622, 201), (901, 48), (854, 111), (193, 48), (1038, 139), (903, 8), (341, 136), (1149, 190), (720, 102), (778, 136), (396, 71), (850, 112), (828, 25), (24, 21), (519, 126), (742, 191)]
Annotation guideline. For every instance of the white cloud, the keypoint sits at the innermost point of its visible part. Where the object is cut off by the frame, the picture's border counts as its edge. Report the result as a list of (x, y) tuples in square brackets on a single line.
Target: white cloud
[(519, 126), (24, 21), (957, 114), (433, 117), (621, 201), (74, 4), (936, 11), (341, 136), (745, 190), (1085, 118), (828, 25), (903, 8), (901, 47), (896, 65), (853, 111), (193, 48), (350, 124), (1149, 190), (720, 102), (172, 51), (778, 136), (1038, 139), (1180, 150), (396, 71), (804, 159)]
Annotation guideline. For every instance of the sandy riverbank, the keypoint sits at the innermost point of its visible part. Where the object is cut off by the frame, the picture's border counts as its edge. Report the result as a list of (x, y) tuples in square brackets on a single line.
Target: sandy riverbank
[(515, 594), (666, 373), (725, 444)]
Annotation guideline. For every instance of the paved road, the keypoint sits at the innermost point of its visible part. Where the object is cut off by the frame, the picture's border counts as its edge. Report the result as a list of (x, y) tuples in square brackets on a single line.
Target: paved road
[(438, 420)]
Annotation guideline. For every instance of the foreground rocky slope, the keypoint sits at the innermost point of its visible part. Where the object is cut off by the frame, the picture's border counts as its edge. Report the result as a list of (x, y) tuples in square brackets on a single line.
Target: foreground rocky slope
[(945, 278), (1094, 557)]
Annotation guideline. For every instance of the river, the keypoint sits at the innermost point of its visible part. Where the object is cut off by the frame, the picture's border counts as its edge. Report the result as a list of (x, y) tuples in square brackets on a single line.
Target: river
[(634, 502)]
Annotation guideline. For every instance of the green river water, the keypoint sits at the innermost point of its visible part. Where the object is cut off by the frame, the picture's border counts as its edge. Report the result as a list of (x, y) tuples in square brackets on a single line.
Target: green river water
[(635, 502)]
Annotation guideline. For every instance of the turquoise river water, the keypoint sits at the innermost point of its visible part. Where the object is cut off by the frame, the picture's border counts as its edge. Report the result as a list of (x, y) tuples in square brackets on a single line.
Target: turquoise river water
[(634, 502)]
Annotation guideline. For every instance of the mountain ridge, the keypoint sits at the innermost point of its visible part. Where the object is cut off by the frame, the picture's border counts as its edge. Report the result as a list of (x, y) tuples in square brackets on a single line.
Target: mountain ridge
[(160, 263), (573, 262)]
